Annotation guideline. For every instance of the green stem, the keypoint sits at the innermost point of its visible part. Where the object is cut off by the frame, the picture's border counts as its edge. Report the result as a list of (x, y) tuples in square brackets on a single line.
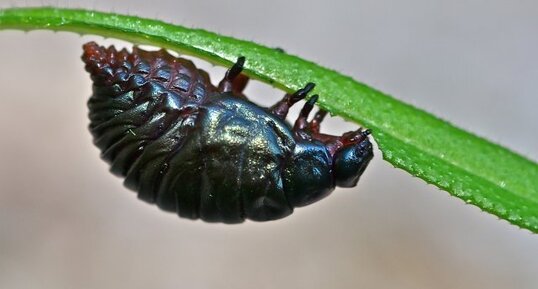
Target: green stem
[(469, 167)]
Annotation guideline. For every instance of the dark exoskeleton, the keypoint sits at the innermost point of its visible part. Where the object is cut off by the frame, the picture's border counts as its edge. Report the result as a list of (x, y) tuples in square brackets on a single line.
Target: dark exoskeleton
[(207, 152)]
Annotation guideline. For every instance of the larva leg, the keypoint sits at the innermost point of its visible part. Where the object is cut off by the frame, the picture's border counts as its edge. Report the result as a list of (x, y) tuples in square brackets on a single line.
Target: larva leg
[(234, 81), (239, 84), (281, 108), (310, 130), (314, 125), (302, 123), (348, 139)]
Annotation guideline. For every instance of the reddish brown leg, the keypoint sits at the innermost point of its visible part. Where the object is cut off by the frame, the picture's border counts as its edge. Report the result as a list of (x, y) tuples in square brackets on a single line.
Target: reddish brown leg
[(234, 81), (347, 139), (314, 125), (239, 84), (310, 130), (302, 121), (281, 108)]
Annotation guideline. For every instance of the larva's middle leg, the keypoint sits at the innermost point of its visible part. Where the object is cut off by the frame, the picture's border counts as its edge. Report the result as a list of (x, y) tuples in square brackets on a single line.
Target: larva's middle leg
[(234, 81)]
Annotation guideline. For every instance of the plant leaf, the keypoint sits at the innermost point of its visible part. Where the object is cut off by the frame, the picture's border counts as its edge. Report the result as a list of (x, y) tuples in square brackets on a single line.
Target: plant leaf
[(469, 167)]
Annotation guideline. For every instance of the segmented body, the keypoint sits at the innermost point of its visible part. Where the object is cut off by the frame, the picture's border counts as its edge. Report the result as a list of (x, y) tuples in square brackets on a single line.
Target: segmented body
[(207, 152)]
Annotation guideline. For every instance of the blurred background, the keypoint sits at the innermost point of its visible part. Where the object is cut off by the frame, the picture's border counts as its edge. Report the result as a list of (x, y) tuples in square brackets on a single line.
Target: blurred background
[(65, 222)]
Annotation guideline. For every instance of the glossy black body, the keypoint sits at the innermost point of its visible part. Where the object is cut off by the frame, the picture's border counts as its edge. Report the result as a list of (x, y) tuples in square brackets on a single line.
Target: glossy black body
[(200, 152)]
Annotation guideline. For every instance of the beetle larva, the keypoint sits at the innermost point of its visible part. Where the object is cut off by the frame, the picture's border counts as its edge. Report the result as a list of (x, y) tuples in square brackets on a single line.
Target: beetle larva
[(205, 151)]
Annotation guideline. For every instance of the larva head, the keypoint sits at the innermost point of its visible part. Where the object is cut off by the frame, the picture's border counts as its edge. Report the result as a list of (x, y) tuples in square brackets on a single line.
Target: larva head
[(350, 162)]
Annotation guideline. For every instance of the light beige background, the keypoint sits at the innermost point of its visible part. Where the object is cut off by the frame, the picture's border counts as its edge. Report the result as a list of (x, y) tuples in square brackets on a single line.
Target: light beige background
[(65, 222)]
